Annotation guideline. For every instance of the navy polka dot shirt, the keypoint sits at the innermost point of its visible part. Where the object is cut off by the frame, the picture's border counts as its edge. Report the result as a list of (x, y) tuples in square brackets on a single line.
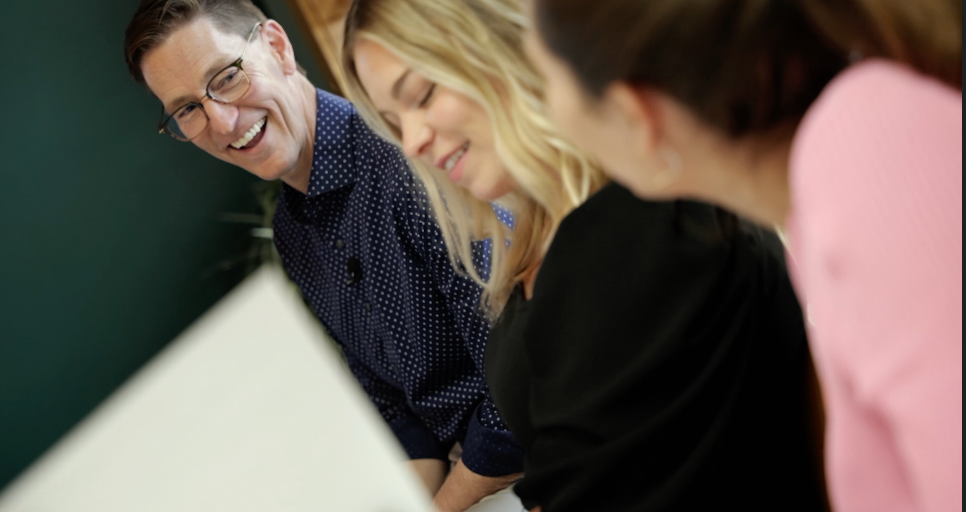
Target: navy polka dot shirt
[(365, 250)]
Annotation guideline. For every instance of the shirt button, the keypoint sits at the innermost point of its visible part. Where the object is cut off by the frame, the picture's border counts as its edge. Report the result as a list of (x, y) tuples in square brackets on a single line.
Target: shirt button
[(368, 306), (340, 243)]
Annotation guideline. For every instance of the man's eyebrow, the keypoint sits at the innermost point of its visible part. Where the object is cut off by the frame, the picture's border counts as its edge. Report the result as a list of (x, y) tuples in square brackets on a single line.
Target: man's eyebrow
[(396, 87), (181, 100)]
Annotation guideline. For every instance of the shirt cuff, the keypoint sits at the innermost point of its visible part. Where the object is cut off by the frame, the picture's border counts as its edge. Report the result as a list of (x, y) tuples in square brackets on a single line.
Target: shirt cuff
[(418, 441), (490, 452)]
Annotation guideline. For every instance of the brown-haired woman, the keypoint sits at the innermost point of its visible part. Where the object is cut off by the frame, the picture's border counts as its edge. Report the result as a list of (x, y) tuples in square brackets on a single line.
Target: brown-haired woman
[(838, 122)]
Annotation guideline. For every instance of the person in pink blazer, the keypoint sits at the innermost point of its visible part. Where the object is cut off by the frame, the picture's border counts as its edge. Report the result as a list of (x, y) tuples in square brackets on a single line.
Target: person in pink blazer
[(840, 127)]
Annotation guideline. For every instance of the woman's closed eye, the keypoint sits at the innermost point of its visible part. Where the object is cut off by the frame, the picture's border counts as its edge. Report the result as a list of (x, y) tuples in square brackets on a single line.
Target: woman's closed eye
[(428, 96)]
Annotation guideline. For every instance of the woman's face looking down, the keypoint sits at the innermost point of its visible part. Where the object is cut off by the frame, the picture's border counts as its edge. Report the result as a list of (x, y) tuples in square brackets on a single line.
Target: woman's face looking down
[(446, 130)]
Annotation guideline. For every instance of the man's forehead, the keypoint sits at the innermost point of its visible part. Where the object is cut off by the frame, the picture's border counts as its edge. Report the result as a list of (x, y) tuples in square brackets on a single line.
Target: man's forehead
[(183, 63)]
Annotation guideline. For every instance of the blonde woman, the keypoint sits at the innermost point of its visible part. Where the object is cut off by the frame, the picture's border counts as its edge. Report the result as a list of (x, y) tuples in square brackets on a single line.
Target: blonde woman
[(485, 96), (654, 368)]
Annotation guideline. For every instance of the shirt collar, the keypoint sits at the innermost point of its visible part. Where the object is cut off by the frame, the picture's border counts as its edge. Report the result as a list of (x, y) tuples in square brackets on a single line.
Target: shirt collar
[(333, 158)]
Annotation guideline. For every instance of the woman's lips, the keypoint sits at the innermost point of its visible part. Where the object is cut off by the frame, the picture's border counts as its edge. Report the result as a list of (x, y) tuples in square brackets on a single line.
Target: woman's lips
[(457, 171), (451, 162)]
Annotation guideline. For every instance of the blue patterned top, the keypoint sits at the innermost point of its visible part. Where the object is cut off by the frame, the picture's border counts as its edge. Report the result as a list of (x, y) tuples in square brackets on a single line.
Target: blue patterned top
[(365, 250)]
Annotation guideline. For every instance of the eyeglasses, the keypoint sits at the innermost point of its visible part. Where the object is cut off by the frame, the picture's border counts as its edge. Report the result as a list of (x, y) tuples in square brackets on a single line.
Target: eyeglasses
[(227, 86)]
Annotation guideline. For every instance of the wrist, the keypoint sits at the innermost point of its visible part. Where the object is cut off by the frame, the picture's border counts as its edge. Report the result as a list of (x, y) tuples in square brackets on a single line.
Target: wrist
[(463, 488)]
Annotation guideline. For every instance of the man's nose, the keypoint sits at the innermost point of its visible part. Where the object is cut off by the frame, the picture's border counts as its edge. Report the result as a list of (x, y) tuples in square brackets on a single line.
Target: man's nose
[(416, 138), (221, 117)]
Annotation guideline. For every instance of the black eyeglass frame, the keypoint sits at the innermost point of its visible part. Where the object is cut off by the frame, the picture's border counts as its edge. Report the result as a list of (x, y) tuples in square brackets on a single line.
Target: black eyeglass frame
[(163, 124)]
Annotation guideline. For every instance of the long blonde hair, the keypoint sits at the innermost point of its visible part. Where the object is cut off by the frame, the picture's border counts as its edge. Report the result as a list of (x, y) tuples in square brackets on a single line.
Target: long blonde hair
[(475, 47)]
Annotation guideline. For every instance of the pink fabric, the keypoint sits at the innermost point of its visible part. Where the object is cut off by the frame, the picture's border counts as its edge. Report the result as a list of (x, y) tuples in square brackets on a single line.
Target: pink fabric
[(876, 255)]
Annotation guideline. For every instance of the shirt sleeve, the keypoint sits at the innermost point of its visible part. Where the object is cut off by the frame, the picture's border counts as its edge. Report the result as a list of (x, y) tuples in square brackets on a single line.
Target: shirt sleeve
[(418, 441), (877, 186), (489, 448)]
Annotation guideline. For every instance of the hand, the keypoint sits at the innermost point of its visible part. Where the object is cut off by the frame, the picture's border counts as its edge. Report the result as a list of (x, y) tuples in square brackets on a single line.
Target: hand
[(431, 472), (464, 488)]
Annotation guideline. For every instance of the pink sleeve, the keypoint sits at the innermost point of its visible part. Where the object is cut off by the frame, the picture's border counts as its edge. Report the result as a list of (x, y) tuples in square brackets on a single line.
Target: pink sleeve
[(877, 177)]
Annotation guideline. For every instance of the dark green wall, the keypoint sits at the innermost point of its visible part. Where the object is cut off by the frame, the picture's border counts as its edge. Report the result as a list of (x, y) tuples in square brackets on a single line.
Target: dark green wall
[(111, 240)]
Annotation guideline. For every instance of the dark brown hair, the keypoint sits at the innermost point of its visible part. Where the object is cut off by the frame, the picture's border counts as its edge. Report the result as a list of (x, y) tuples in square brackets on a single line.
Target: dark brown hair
[(746, 66), (154, 20)]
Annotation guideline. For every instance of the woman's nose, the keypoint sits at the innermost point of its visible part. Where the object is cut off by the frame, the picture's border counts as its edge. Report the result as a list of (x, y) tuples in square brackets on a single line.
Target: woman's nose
[(416, 138)]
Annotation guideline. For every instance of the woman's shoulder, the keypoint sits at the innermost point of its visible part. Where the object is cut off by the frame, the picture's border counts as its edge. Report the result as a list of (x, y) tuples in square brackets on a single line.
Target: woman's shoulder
[(881, 83), (617, 243), (611, 201), (881, 145), (879, 112), (615, 221), (611, 215)]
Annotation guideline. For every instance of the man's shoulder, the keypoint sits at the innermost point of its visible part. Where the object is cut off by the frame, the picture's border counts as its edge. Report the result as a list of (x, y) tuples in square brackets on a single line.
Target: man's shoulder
[(329, 101), (338, 121), (347, 151), (347, 148)]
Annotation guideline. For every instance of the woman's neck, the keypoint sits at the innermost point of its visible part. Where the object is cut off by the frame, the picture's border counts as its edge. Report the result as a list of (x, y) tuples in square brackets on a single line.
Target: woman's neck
[(749, 178), (529, 279)]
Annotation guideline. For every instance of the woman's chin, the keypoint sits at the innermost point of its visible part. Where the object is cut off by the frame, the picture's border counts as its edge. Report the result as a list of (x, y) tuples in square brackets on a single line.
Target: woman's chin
[(488, 194), (491, 190)]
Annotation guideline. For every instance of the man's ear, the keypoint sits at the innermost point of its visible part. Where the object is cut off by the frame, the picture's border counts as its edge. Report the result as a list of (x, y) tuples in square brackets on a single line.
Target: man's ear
[(280, 46), (637, 111)]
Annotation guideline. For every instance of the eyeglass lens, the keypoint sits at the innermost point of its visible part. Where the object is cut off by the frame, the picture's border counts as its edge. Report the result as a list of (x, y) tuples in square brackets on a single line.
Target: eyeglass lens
[(227, 86)]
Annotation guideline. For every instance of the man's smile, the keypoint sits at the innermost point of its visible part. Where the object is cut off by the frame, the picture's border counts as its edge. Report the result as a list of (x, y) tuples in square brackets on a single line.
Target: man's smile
[(252, 137)]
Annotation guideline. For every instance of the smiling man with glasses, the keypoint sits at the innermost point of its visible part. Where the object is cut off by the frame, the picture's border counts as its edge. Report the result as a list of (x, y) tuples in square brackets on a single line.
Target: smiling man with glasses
[(351, 226), (227, 86)]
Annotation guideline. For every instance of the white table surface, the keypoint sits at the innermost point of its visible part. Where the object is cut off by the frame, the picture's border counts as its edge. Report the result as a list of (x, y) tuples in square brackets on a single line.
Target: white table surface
[(248, 410)]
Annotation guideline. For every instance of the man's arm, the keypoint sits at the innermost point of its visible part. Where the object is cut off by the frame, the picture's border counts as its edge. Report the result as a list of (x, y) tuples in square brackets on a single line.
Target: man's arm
[(428, 458), (492, 458), (417, 440), (432, 472), (464, 488)]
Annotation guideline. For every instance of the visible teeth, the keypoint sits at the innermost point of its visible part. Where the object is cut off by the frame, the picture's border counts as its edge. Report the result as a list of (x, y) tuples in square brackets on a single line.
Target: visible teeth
[(249, 135), (451, 161)]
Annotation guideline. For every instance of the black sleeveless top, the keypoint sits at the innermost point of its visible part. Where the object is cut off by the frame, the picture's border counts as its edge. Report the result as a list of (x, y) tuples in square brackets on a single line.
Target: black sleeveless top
[(660, 365)]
